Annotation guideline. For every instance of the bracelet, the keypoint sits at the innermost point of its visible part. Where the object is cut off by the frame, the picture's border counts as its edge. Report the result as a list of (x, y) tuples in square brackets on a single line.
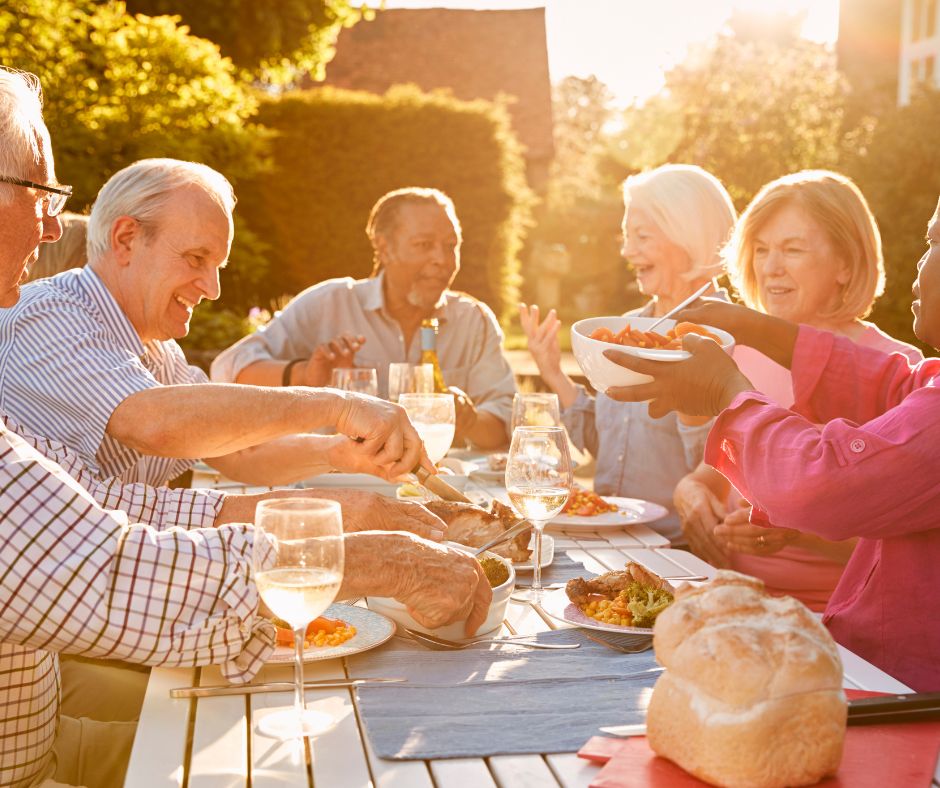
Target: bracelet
[(288, 368)]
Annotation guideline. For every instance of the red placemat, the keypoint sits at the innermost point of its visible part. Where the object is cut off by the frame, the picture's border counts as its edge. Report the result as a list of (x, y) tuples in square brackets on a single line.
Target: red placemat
[(874, 755)]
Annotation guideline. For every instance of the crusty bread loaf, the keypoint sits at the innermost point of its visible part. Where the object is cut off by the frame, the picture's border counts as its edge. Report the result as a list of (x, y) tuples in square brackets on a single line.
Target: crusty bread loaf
[(752, 692)]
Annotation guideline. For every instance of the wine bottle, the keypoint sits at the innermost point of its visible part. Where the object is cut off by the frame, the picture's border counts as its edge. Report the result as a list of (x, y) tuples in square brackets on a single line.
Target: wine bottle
[(429, 352)]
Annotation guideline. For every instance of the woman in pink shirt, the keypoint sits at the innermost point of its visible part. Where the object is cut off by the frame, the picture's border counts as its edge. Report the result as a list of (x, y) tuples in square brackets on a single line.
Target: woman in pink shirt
[(806, 249), (857, 456)]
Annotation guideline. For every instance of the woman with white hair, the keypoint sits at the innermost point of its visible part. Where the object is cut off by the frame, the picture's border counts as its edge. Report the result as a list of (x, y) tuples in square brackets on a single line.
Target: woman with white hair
[(806, 249), (677, 219)]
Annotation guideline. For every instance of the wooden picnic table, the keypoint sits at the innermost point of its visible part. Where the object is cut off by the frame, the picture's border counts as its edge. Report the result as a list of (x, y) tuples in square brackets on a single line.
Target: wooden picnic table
[(212, 743)]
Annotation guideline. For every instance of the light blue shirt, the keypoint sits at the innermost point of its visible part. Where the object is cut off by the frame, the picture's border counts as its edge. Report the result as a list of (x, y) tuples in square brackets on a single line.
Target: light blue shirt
[(69, 356)]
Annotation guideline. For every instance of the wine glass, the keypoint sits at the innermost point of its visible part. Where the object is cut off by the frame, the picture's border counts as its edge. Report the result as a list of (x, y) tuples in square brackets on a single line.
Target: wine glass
[(537, 409), (538, 480), (298, 560), (404, 378), (434, 418), (363, 380)]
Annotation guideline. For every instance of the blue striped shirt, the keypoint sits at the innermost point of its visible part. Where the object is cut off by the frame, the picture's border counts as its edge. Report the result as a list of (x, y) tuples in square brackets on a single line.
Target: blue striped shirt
[(69, 356)]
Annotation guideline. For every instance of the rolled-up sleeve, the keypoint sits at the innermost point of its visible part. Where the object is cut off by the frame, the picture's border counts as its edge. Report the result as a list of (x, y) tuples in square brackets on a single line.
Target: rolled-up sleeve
[(101, 376), (294, 333), (838, 481), (83, 580)]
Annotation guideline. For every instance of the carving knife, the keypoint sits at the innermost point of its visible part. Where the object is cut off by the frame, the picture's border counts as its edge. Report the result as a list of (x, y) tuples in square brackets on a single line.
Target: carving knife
[(277, 686), (436, 484)]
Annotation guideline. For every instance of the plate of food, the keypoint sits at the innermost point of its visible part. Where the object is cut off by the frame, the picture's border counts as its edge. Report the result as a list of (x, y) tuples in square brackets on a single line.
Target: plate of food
[(343, 630), (588, 510), (627, 600), (492, 468)]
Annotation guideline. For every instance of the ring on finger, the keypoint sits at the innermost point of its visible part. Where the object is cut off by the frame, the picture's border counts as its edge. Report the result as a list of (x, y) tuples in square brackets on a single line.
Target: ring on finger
[(761, 541)]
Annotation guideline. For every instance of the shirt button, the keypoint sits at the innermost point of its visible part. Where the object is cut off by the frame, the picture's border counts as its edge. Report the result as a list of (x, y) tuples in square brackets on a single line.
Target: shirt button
[(857, 446), (620, 458)]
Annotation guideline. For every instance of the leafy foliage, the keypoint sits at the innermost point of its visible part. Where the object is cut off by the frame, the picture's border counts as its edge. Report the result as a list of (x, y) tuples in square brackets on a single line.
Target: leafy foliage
[(273, 39), (749, 111), (337, 152), (899, 172), (119, 88)]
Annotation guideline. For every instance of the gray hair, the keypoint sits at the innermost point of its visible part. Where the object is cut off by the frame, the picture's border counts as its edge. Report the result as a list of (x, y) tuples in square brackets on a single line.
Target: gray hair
[(143, 190), (691, 207), (22, 130)]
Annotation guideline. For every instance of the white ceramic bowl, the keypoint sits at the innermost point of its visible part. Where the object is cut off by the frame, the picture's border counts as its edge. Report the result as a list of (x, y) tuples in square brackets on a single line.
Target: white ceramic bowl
[(396, 611), (604, 373)]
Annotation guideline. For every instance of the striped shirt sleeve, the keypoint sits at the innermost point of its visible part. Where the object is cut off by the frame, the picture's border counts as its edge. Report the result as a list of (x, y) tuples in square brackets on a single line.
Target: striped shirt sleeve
[(101, 375), (78, 579)]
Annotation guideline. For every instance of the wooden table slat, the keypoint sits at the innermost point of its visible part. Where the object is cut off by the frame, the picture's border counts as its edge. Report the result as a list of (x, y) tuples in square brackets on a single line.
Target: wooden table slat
[(220, 738), (164, 721), (572, 771), (462, 773), (522, 771)]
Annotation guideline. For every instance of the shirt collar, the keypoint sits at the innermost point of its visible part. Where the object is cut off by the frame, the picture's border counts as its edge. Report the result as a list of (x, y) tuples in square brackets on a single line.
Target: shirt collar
[(111, 312), (372, 297)]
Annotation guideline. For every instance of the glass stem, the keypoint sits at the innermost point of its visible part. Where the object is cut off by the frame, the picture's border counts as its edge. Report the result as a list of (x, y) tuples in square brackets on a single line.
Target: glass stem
[(299, 635), (537, 558)]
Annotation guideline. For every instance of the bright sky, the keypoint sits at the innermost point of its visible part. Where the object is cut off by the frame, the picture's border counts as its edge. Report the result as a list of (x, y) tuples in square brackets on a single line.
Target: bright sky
[(629, 43)]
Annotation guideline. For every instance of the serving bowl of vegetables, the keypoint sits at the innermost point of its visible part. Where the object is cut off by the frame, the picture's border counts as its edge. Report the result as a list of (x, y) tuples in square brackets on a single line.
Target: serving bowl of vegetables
[(630, 334)]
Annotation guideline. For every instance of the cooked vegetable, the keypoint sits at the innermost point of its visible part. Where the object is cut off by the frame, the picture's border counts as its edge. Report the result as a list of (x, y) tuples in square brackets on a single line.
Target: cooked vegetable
[(321, 631), (671, 340), (584, 503), (495, 570)]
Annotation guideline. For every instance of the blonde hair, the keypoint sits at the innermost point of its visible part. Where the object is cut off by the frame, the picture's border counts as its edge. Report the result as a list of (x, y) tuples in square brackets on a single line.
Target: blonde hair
[(692, 209), (383, 218), (68, 252), (837, 205), (143, 189)]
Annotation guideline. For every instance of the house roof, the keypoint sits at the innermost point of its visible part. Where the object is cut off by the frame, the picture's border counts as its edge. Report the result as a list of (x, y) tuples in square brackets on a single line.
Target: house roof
[(476, 54)]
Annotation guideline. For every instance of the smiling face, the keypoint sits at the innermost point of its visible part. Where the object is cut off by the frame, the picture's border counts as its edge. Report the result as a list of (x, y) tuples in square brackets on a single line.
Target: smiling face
[(421, 254), (168, 268), (24, 225), (926, 306), (660, 264), (799, 276)]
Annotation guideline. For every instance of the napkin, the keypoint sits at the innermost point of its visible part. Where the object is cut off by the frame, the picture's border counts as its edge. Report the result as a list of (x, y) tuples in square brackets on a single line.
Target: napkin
[(874, 755)]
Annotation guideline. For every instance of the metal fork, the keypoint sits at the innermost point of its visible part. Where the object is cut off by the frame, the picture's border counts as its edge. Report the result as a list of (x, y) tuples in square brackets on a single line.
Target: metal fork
[(442, 644), (625, 644)]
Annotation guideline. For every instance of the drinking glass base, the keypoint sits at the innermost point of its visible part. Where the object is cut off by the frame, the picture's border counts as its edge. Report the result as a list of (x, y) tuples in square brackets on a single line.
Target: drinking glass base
[(288, 724), (533, 596)]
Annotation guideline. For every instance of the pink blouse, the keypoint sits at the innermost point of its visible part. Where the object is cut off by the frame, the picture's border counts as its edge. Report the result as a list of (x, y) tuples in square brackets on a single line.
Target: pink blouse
[(794, 570), (871, 471)]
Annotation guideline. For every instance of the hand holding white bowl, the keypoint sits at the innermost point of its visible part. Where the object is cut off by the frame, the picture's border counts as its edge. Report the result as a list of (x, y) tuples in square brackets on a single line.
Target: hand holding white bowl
[(605, 374), (702, 384)]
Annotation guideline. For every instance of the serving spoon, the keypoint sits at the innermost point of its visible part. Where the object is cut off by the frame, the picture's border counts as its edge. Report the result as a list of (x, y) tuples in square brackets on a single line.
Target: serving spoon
[(697, 294)]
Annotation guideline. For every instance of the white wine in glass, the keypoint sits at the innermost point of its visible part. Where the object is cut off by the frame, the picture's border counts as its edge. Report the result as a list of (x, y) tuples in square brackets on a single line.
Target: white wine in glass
[(298, 560), (538, 481), (434, 419)]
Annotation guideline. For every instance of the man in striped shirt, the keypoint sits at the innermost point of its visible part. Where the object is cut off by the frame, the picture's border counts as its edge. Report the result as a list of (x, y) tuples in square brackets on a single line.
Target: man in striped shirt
[(112, 570), (90, 357)]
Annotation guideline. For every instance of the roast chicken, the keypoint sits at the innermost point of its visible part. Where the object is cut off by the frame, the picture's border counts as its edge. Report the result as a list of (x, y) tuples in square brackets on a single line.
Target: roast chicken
[(474, 526)]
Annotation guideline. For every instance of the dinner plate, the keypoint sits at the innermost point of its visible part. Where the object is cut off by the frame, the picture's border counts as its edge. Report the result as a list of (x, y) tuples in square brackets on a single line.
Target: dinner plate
[(557, 605), (481, 470), (372, 629), (548, 554), (630, 511)]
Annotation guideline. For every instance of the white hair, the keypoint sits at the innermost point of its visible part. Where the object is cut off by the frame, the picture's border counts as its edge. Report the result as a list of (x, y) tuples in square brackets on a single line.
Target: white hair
[(690, 206), (143, 190), (22, 130)]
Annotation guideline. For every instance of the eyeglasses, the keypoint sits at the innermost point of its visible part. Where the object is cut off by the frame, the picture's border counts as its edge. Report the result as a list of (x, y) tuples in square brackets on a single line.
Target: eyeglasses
[(55, 197)]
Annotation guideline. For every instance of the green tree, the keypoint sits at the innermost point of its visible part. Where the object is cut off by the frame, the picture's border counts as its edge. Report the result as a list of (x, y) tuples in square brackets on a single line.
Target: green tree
[(757, 104), (272, 39), (119, 88), (899, 172)]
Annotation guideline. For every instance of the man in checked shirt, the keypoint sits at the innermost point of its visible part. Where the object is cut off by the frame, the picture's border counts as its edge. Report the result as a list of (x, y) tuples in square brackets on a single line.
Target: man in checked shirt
[(72, 547)]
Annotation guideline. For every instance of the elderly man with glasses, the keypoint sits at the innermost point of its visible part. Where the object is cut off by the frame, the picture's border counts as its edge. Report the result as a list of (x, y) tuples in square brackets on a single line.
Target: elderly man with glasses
[(82, 558)]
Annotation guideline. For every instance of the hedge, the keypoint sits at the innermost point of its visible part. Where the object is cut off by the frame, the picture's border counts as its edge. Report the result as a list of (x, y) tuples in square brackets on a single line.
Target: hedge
[(336, 152)]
